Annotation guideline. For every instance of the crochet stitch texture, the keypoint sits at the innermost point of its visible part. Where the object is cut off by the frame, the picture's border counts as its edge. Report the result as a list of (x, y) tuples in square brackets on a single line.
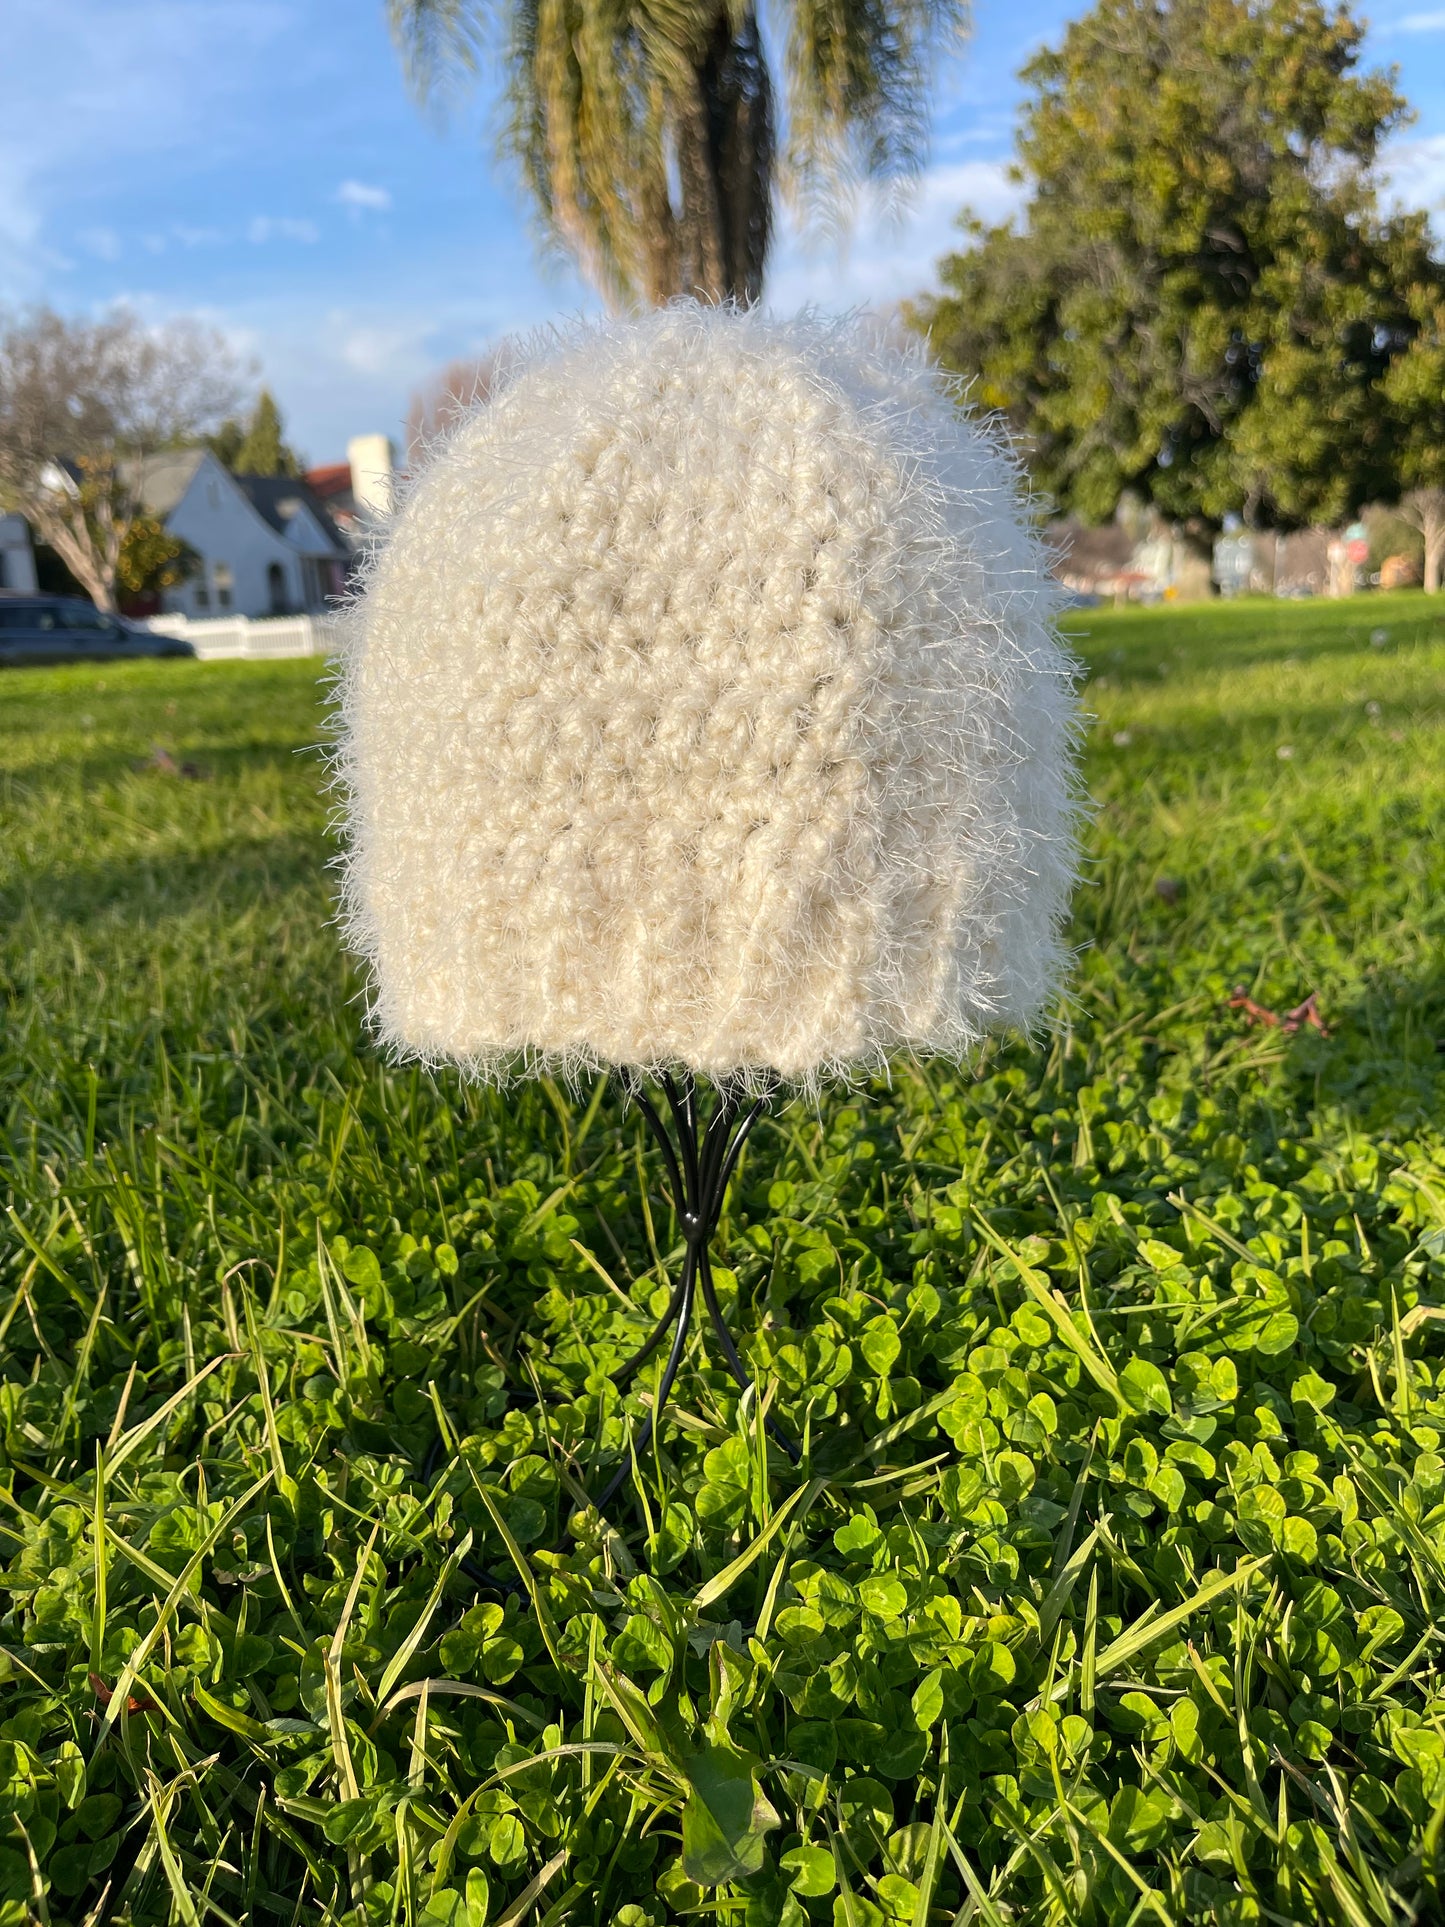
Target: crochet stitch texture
[(704, 708)]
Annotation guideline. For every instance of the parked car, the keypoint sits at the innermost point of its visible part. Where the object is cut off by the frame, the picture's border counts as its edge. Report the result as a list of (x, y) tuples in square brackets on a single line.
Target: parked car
[(42, 628)]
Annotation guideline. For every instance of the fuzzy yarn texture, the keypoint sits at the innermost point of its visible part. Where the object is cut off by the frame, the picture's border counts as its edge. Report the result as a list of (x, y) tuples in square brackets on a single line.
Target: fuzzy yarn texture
[(703, 707)]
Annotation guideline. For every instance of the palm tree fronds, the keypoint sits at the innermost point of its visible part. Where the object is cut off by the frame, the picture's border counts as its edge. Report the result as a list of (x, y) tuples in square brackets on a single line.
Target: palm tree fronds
[(440, 41), (644, 130), (857, 83)]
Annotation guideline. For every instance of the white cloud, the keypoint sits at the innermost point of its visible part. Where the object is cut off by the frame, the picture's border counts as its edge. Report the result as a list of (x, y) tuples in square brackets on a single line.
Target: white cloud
[(102, 242), (982, 130), (395, 350), (197, 237), (1421, 23), (361, 197), (265, 227), (890, 255), (19, 227), (343, 368), (1414, 173), (142, 77)]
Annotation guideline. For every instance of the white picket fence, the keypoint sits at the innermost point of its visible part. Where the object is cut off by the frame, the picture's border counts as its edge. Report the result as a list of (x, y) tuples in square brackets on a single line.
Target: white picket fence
[(244, 639)]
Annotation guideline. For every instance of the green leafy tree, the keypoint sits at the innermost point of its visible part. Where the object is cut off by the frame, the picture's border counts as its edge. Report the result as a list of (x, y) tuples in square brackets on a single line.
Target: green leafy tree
[(1415, 386), (1202, 295), (263, 449), (152, 558), (225, 444), (647, 136)]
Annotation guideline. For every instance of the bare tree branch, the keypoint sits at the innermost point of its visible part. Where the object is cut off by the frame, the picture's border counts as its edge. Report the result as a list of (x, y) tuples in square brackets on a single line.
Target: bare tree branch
[(437, 407)]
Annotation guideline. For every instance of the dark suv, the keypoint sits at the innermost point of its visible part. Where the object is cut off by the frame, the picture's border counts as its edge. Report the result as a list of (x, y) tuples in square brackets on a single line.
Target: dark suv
[(42, 628)]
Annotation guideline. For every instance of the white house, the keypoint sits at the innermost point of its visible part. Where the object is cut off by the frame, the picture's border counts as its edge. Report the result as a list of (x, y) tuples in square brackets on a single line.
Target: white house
[(358, 493), (17, 558), (267, 546)]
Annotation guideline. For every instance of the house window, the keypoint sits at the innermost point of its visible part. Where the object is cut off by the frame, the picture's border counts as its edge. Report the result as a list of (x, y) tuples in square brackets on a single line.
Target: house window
[(213, 495), (203, 596), (225, 583), (276, 588)]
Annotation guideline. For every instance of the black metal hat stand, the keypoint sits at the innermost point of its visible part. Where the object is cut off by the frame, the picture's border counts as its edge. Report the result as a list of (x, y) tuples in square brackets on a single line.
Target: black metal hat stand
[(700, 1166)]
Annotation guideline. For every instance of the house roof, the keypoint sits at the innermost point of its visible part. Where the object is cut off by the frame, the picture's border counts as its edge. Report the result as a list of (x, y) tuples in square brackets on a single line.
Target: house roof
[(276, 498), (165, 478), (329, 481)]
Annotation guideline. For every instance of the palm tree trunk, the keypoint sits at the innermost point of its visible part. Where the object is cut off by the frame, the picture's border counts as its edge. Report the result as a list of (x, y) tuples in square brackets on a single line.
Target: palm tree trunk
[(659, 242), (724, 138), (745, 160), (701, 222)]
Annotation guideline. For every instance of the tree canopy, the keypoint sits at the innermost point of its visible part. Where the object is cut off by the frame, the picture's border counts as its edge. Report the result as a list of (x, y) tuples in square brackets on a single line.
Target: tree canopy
[(1203, 297), (258, 445), (647, 135), (1415, 388), (264, 450)]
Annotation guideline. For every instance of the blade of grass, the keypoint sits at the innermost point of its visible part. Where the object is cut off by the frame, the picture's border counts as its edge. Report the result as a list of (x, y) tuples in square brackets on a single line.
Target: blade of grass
[(522, 1905), (1057, 1312), (465, 1689), (928, 1875), (1118, 1653), (331, 1665), (101, 1564), (401, 1658), (185, 1908), (1057, 1596), (130, 1442), (545, 1622), (800, 1501), (1146, 1893), (130, 1672)]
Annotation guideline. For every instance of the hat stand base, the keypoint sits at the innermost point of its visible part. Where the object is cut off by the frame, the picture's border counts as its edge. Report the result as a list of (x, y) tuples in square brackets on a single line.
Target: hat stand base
[(700, 1165)]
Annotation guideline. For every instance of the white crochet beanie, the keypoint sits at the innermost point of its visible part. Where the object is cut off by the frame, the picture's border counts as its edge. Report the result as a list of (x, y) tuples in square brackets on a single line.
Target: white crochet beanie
[(704, 708)]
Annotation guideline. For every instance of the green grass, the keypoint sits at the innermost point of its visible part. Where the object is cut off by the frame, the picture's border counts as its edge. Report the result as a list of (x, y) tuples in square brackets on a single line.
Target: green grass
[(1113, 1587)]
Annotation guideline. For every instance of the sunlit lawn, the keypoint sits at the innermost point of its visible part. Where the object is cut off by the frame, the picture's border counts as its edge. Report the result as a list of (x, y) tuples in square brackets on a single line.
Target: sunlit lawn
[(1112, 1585)]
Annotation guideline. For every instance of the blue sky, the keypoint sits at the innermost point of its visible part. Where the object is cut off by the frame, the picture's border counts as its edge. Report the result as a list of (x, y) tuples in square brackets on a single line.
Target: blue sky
[(260, 163)]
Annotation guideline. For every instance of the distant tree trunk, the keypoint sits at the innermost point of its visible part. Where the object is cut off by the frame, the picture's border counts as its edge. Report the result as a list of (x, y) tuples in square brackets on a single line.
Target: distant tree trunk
[(659, 243), (88, 544), (1424, 509), (1435, 552)]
